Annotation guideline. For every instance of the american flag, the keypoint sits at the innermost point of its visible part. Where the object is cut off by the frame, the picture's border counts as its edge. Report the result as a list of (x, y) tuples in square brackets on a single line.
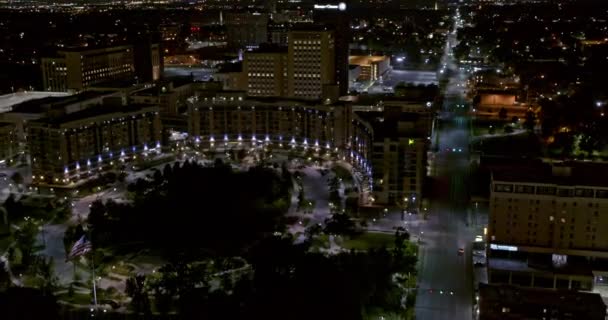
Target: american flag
[(81, 247)]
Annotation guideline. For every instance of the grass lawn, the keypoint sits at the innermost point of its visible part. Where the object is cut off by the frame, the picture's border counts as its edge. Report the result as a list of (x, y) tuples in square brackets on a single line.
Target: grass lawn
[(369, 240), (320, 241), (77, 298), (120, 269), (5, 241), (342, 173)]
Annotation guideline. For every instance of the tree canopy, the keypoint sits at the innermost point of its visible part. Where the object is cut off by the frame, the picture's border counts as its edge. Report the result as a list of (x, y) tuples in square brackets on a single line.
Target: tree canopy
[(195, 208)]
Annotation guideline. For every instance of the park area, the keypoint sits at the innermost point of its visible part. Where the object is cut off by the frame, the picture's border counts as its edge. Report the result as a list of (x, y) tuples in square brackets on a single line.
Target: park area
[(220, 232)]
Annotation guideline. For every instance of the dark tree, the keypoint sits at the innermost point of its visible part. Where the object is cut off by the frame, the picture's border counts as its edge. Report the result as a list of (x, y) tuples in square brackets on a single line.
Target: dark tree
[(502, 114), (167, 171), (28, 303), (530, 120), (341, 224), (135, 289), (17, 178)]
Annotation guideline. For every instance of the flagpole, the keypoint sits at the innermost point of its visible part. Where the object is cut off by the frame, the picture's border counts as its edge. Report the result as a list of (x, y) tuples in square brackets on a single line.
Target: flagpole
[(94, 285)]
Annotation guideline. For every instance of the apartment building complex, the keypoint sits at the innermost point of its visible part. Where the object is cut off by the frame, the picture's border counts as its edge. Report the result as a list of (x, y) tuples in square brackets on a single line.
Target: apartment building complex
[(66, 147), (546, 225), (388, 140), (280, 121), (398, 151)]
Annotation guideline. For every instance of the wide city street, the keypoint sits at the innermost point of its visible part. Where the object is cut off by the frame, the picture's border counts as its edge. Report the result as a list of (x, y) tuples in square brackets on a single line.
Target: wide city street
[(445, 278)]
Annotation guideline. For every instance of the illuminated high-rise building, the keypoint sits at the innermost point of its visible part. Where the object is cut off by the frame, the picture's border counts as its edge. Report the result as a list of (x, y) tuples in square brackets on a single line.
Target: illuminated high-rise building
[(311, 63)]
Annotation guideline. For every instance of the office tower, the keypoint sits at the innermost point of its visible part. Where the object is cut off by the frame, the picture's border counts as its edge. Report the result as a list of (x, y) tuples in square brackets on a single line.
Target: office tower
[(337, 18), (81, 67), (246, 30), (311, 62), (277, 33), (266, 71), (148, 62)]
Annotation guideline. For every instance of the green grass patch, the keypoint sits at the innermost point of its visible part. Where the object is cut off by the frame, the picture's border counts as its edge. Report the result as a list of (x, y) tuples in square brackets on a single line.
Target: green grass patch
[(342, 173), (369, 240), (76, 298), (5, 241), (120, 269), (320, 241)]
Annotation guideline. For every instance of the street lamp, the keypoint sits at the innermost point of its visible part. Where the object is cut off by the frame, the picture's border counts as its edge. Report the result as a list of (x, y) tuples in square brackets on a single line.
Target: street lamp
[(41, 229)]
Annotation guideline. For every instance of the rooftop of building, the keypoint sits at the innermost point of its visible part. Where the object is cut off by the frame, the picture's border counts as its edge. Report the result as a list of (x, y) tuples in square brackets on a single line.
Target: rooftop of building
[(509, 296), (168, 84), (7, 101), (230, 67), (92, 112), (116, 84), (269, 48), (84, 48), (386, 126), (366, 60), (569, 173), (284, 101), (497, 91), (310, 27), (373, 99), (53, 102)]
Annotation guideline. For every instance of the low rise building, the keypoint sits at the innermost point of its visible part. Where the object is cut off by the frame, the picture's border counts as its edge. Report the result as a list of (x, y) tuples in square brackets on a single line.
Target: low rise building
[(372, 67), (499, 105)]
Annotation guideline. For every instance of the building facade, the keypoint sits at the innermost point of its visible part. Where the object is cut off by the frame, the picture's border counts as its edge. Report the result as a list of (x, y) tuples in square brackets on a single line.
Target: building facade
[(266, 72), (337, 18), (499, 302), (372, 67), (311, 63), (399, 144), (9, 145), (546, 226), (282, 122), (388, 145), (79, 68), (67, 147), (246, 30)]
